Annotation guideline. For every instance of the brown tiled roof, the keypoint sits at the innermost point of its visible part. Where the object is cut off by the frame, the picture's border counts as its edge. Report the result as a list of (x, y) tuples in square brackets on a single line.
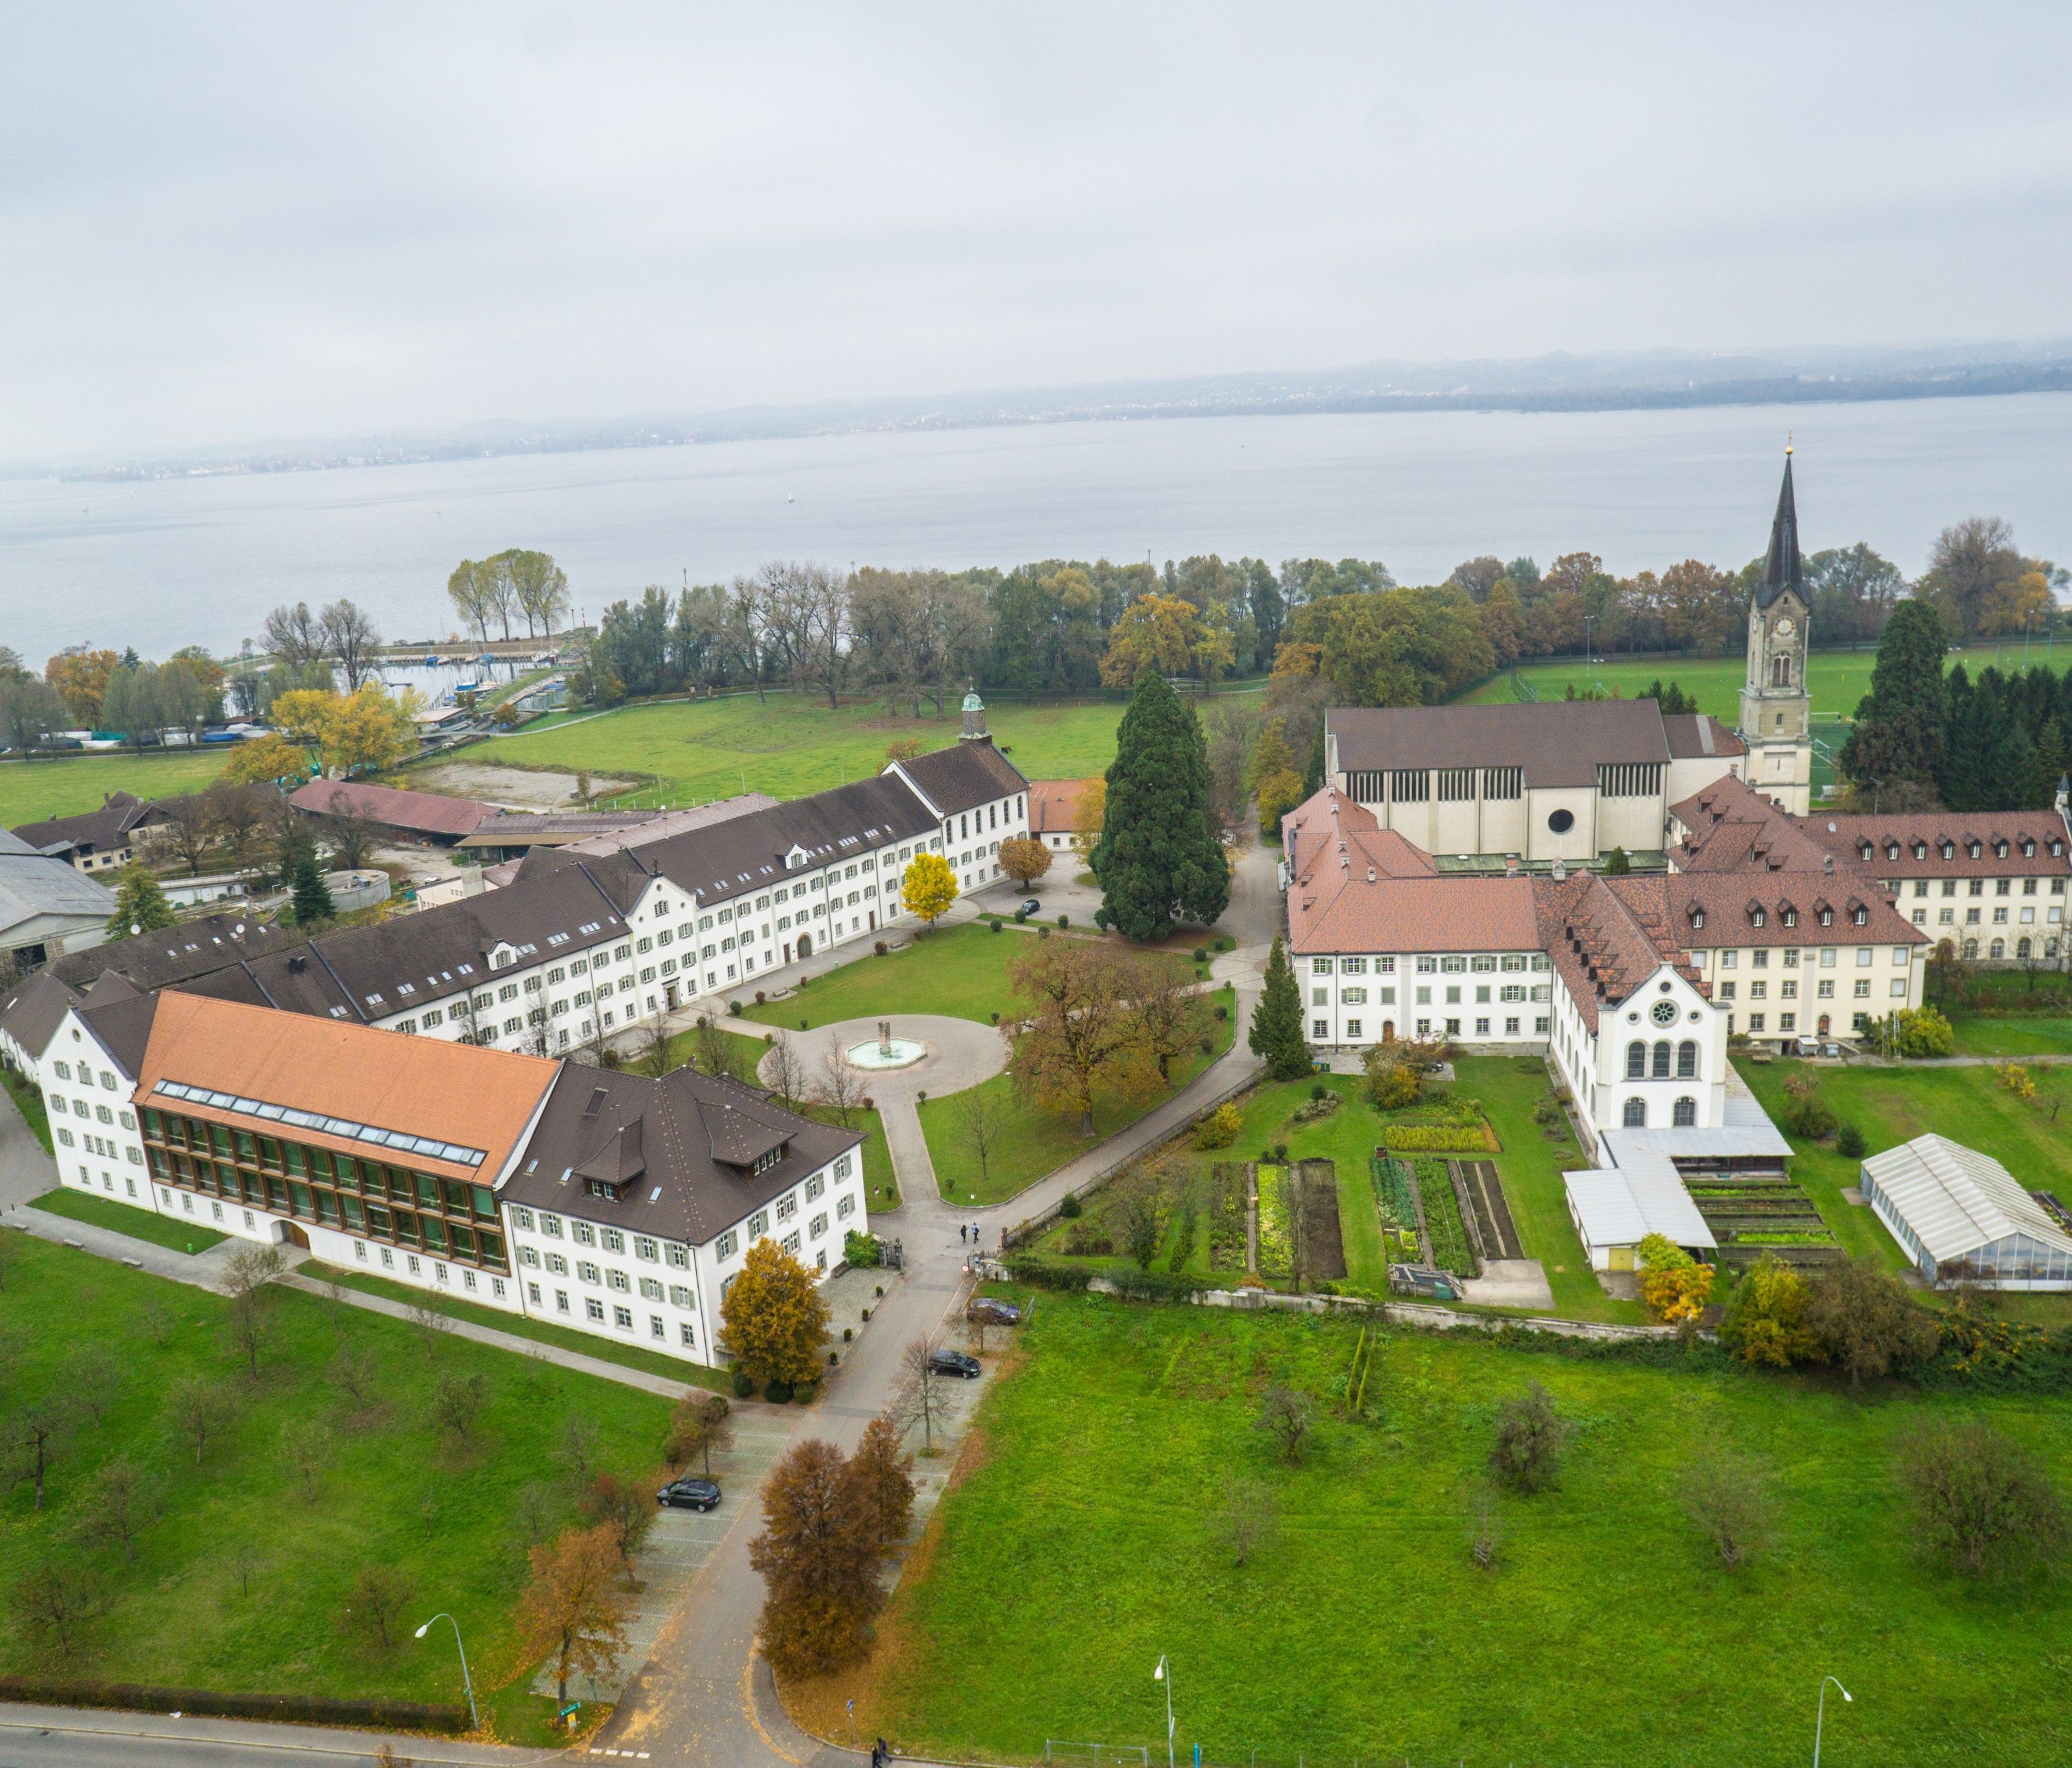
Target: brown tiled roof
[(32, 1010), (678, 1150), (1415, 914), (1054, 805), (424, 813), (1694, 734), (1790, 904), (424, 1087), (106, 827), (1558, 743), (1605, 942), (966, 774), (1330, 826), (178, 953), (1844, 836)]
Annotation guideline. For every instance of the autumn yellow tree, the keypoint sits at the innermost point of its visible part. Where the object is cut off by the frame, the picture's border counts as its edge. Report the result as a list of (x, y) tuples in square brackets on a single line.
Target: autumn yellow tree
[(1089, 812), (80, 677), (1276, 781), (347, 734), (573, 1610), (774, 1316), (1163, 634), (263, 758), (823, 1532), (928, 887), (1024, 858), (1082, 1036), (1674, 1286)]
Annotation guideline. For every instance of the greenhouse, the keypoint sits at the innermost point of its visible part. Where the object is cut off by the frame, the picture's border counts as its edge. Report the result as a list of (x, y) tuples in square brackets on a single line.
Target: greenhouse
[(1964, 1217)]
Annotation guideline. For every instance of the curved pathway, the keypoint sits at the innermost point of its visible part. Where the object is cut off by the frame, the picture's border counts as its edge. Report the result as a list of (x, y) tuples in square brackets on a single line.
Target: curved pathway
[(705, 1696)]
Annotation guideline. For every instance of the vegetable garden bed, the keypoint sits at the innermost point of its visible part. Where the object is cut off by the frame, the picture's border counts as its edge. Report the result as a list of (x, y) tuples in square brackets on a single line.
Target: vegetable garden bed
[(1450, 1247)]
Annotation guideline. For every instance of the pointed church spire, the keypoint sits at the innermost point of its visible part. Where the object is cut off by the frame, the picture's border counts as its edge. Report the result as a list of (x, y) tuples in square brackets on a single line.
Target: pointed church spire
[(1781, 570)]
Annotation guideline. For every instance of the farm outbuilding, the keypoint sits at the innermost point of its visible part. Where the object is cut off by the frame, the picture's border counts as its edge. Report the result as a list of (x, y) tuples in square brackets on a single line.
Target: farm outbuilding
[(1963, 1217), (1615, 1208)]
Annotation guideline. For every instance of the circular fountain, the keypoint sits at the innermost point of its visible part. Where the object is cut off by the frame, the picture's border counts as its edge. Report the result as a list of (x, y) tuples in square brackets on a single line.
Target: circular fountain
[(886, 1051)]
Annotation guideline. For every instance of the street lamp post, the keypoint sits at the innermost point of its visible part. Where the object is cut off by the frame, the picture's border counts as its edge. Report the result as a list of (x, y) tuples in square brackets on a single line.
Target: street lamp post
[(1161, 1674), (1820, 1715), (467, 1682)]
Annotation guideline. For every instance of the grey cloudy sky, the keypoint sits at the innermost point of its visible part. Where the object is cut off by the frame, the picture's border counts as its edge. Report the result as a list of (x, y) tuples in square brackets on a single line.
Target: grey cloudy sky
[(220, 224)]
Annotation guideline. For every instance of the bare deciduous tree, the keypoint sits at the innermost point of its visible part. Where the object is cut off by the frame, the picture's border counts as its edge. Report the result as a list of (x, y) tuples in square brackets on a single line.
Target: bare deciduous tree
[(93, 1374), (1249, 1518), (122, 1501), (1484, 1528), (1171, 1019), (186, 828), (1284, 1417), (54, 1601), (379, 1595), (32, 1438), (247, 1277), (578, 1446), (294, 634), (306, 1445), (352, 1373), (650, 1055), (1725, 1500), (919, 1398), (982, 1124), (702, 1425), (457, 1401), (350, 635), (840, 1085), (784, 1070), (200, 1408)]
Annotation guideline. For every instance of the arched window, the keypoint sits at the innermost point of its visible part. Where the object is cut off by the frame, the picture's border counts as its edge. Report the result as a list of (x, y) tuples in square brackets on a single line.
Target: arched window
[(2000, 948), (1687, 1113), (1687, 1060), (1662, 1060), (1780, 672), (1636, 1061), (1636, 1114), (1971, 949)]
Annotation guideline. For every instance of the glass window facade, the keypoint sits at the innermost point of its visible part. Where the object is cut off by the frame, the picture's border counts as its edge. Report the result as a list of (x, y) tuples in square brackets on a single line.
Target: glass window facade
[(451, 1218)]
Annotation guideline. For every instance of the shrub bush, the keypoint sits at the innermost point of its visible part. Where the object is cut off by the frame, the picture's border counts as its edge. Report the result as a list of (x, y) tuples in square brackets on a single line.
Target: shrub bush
[(734, 1009), (743, 1386), (1223, 945), (848, 1333), (758, 998), (861, 1249), (307, 1709), (1849, 1141), (994, 923), (1220, 1127), (1201, 954), (1064, 920), (1808, 1115), (1222, 1013), (1071, 1207), (878, 946), (778, 1393)]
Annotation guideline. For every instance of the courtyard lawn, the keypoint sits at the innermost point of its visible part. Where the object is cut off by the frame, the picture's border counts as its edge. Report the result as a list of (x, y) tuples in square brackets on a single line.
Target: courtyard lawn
[(28, 1100), (1034, 1140), (1836, 680), (2012, 1035), (1892, 1105), (139, 1224), (390, 1491), (790, 744), (1096, 1483), (1531, 1167), (959, 971), (69, 786)]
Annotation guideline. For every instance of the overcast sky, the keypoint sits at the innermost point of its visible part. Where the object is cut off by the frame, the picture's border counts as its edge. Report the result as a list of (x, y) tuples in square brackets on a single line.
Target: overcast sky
[(225, 224)]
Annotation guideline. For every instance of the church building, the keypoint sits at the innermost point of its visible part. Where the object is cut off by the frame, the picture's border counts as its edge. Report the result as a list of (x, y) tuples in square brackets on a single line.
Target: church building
[(1570, 781)]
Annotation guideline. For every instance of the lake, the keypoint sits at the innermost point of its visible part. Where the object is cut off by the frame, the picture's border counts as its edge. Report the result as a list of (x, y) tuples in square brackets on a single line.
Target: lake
[(162, 563)]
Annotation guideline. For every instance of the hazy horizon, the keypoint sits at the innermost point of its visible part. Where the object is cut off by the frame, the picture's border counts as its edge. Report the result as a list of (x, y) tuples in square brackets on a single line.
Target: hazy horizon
[(231, 225)]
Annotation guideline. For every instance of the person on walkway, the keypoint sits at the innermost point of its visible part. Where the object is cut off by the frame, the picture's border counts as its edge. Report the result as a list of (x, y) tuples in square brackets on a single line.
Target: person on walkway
[(960, 1233), (879, 1754)]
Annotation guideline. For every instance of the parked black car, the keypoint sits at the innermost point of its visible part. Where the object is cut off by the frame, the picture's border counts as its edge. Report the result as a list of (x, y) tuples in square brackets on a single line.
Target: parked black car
[(1032, 906), (688, 1494), (994, 1313), (955, 1362)]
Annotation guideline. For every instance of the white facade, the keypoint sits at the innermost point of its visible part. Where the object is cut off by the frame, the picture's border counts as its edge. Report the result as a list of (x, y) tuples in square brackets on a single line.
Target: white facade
[(1656, 1060), (94, 1123), (1778, 991), (1475, 997)]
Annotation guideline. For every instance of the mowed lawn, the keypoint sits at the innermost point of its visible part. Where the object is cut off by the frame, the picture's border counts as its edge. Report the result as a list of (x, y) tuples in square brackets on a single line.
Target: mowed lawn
[(1084, 1536), (1836, 680), (791, 744), (390, 1490), (962, 971), (139, 1224), (69, 785)]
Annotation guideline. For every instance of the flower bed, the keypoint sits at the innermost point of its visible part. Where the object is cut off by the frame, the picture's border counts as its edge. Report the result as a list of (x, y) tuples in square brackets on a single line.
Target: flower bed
[(1476, 1138)]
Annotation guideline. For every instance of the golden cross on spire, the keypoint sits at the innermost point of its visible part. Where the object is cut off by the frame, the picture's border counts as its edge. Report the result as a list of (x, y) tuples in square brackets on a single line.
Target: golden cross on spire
[(1787, 441)]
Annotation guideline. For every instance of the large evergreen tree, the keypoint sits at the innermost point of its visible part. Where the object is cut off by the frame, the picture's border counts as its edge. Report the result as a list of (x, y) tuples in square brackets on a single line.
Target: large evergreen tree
[(1899, 729), (312, 895), (1277, 1021), (139, 904), (1159, 859)]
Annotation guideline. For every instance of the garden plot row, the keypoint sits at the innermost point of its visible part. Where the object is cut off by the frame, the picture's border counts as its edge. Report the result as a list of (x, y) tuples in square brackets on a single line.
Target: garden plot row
[(1751, 1215)]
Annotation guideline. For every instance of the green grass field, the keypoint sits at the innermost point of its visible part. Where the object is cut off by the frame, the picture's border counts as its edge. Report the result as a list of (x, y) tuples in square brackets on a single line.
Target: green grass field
[(390, 1491), (139, 1224), (2012, 1035), (1836, 680), (30, 791), (961, 971), (1050, 1583), (1034, 1141), (791, 744)]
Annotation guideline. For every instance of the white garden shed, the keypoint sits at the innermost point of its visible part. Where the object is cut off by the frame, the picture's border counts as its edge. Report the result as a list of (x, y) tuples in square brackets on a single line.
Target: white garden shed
[(1615, 1208), (1962, 1216)]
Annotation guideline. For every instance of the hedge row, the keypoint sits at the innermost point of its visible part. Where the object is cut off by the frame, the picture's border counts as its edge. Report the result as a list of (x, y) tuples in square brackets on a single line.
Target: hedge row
[(215, 1703), (1044, 1274)]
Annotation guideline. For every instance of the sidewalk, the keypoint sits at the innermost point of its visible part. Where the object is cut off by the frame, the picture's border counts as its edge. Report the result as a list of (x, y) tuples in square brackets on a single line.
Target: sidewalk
[(96, 1736)]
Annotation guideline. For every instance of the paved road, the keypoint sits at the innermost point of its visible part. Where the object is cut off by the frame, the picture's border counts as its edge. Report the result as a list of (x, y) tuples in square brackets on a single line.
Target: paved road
[(33, 1737), (705, 1696)]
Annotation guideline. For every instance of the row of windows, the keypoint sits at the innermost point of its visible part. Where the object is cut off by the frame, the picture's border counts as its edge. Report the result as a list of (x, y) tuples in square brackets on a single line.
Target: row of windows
[(1683, 1115), (2002, 886), (1512, 963), (1638, 1060), (1790, 957), (1320, 1030)]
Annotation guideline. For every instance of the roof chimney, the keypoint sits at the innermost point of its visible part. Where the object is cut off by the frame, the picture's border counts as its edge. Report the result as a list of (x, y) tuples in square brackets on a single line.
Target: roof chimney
[(1827, 865), (1510, 865), (1370, 874)]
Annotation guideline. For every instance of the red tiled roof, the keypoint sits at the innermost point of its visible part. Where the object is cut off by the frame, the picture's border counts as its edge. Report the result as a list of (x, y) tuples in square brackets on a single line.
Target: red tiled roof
[(1054, 805), (427, 813), (1844, 836)]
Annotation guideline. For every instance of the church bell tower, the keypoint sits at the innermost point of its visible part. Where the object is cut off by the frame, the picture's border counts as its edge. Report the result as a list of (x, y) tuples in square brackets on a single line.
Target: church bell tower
[(1776, 716)]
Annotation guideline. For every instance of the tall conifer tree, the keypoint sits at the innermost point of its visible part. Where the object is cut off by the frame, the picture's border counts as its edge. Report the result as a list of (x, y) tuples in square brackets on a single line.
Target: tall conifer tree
[(1159, 859), (1898, 734), (139, 904), (1277, 1021)]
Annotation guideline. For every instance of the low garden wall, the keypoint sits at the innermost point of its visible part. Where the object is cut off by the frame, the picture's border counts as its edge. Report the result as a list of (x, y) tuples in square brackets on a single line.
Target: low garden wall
[(299, 1709)]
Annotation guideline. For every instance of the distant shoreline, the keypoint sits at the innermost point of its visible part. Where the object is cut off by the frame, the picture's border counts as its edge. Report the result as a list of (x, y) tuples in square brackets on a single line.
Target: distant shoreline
[(1980, 381)]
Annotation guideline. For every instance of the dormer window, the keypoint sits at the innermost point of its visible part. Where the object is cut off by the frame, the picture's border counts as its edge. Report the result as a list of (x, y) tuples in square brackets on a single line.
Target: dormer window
[(1756, 918), (1921, 850), (1697, 920), (1864, 850), (1827, 917), (2000, 849), (1974, 850), (1892, 849), (2057, 849), (763, 1162), (598, 1187), (1791, 917), (1949, 849), (1860, 914), (2028, 849)]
